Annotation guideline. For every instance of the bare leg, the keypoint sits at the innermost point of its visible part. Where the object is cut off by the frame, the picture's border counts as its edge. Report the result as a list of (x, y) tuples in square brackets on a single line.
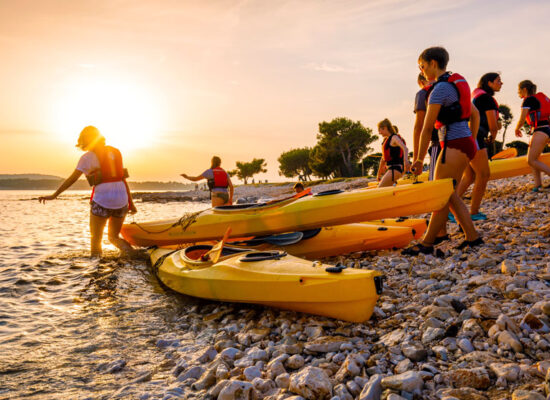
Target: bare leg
[(97, 224), (115, 225), (389, 179), (455, 163), (218, 201), (538, 141), (480, 165), (467, 179)]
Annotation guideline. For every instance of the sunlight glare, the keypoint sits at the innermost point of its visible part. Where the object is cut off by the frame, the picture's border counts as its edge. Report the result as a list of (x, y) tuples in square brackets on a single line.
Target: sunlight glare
[(126, 114)]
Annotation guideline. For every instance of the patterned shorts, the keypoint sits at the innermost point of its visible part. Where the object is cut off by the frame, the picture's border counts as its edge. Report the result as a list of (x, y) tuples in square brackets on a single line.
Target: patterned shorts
[(103, 212)]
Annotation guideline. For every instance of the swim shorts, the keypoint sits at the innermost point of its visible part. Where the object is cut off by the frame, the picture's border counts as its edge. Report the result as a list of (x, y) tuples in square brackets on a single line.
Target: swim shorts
[(103, 212), (467, 145), (221, 195)]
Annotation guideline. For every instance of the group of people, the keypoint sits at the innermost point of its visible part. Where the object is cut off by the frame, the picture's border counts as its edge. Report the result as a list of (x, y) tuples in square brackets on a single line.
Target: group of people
[(456, 127), (452, 127)]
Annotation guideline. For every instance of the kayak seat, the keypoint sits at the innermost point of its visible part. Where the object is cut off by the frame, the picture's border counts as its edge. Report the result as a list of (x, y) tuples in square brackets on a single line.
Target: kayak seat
[(328, 192), (263, 256), (197, 251)]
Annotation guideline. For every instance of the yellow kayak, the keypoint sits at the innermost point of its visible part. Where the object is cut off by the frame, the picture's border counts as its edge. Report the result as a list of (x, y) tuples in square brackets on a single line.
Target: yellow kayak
[(323, 209), (270, 278), (500, 168)]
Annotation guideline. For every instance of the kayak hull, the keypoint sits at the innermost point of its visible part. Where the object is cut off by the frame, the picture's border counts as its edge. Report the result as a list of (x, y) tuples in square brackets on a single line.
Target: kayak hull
[(296, 215), (289, 283)]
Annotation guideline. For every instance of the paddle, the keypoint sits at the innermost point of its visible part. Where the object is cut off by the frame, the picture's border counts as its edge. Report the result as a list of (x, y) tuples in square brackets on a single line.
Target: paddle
[(216, 251), (504, 154)]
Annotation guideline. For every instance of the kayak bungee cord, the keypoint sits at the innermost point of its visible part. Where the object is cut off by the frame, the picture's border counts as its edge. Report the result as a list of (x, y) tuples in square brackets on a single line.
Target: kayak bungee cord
[(185, 221)]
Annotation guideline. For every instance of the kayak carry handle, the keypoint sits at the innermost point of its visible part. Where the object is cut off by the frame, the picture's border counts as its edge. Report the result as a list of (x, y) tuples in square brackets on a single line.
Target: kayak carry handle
[(379, 283)]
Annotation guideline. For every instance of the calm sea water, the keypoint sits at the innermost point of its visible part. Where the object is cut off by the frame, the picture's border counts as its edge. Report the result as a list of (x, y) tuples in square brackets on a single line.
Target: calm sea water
[(62, 314)]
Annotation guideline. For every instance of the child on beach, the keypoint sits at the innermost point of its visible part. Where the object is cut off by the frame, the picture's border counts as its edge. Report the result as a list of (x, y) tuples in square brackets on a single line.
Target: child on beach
[(535, 109), (395, 155), (111, 199), (478, 171), (420, 104), (449, 105), (219, 183)]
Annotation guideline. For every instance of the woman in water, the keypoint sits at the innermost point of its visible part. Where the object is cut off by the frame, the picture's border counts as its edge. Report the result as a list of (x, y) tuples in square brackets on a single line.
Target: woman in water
[(478, 171), (111, 199), (395, 155), (449, 104), (535, 109)]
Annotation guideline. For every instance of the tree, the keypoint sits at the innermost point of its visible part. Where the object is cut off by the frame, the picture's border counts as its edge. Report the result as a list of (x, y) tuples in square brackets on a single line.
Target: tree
[(520, 146), (371, 163), (506, 117), (295, 162), (247, 170), (341, 144)]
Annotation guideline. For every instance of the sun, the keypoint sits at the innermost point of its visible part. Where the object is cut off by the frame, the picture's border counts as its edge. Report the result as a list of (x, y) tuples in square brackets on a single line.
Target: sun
[(126, 113)]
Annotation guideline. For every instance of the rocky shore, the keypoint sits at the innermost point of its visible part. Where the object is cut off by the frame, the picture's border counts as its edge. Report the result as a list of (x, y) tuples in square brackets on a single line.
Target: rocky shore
[(474, 325)]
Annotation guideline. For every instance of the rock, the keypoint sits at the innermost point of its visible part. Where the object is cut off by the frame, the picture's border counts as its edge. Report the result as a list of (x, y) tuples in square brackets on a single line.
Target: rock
[(326, 344), (192, 373), (546, 308), (372, 389), (509, 371), (465, 345), (230, 354), (393, 338), (462, 394), (205, 355), (440, 352), (506, 337), (414, 352), (312, 383), (342, 393), (236, 390), (432, 334), (263, 385), (313, 332), (476, 378), (283, 380), (508, 267), (252, 372), (393, 396), (532, 322), (350, 368), (410, 381), (485, 308), (353, 387), (403, 366), (526, 395), (275, 368), (295, 362), (505, 323)]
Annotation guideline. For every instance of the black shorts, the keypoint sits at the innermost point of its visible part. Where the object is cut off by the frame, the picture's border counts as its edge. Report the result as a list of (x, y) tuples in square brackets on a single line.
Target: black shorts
[(544, 129), (396, 167), (222, 195), (481, 138), (103, 212)]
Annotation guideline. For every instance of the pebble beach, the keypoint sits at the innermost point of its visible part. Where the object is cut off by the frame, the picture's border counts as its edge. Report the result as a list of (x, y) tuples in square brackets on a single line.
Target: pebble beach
[(472, 325)]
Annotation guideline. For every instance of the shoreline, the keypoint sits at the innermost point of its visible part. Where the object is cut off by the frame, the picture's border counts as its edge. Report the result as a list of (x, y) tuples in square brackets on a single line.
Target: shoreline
[(473, 325)]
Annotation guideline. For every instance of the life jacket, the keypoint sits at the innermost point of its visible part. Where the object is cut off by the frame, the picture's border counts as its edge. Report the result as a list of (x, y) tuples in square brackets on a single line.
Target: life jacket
[(110, 167), (219, 180), (393, 155), (478, 92), (534, 117), (460, 110)]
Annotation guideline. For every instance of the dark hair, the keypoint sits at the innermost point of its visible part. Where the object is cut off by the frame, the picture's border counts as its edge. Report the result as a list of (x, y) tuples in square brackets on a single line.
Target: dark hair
[(422, 78), (530, 86), (298, 185), (216, 162), (439, 54), (387, 124), (484, 82)]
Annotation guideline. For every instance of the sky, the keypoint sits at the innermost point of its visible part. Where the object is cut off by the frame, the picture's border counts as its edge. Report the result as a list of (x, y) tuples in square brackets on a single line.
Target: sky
[(172, 83)]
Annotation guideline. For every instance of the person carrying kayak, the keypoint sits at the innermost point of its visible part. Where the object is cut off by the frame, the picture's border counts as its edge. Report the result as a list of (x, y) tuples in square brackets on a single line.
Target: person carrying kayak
[(395, 155), (219, 183), (478, 171), (449, 109), (111, 199), (420, 104), (535, 110)]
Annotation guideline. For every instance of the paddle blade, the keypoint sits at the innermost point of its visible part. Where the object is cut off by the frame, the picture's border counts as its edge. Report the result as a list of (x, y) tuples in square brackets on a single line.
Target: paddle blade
[(216, 251), (504, 154)]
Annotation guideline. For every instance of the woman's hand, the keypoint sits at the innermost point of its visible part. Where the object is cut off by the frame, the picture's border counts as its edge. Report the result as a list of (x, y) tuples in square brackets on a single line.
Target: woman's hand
[(416, 167), (132, 209), (407, 165), (42, 199), (185, 176), (518, 133)]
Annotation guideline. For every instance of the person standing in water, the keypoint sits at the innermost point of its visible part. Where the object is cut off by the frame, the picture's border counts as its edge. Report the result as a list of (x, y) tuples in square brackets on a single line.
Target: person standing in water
[(395, 155), (478, 171), (449, 109), (420, 104), (111, 199), (219, 183), (535, 110)]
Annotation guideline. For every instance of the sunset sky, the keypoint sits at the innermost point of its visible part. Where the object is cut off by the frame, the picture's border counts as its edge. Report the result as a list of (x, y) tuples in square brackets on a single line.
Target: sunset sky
[(174, 82)]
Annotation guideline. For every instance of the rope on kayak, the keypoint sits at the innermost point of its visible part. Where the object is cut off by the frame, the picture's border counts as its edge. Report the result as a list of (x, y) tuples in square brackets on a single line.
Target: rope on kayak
[(185, 222)]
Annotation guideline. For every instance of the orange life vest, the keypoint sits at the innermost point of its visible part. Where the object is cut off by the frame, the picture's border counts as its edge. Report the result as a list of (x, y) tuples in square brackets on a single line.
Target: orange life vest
[(459, 110)]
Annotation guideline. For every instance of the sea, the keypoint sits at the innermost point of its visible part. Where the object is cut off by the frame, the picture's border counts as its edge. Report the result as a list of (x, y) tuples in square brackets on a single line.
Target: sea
[(65, 316)]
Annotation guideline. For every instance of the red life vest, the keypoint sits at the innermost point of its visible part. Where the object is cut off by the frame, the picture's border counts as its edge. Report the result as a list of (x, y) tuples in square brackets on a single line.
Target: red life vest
[(542, 114), (478, 92), (110, 162), (459, 110), (220, 179), (393, 155)]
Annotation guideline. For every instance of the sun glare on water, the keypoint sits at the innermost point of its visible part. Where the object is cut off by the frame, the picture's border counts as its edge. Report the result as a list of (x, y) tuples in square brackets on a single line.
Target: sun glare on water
[(126, 114)]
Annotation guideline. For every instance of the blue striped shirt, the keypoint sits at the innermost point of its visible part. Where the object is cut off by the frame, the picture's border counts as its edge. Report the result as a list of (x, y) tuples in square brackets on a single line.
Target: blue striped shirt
[(444, 93)]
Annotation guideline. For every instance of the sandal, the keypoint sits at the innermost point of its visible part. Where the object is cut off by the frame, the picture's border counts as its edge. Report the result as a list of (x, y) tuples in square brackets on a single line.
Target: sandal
[(417, 249), (440, 239), (470, 243)]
